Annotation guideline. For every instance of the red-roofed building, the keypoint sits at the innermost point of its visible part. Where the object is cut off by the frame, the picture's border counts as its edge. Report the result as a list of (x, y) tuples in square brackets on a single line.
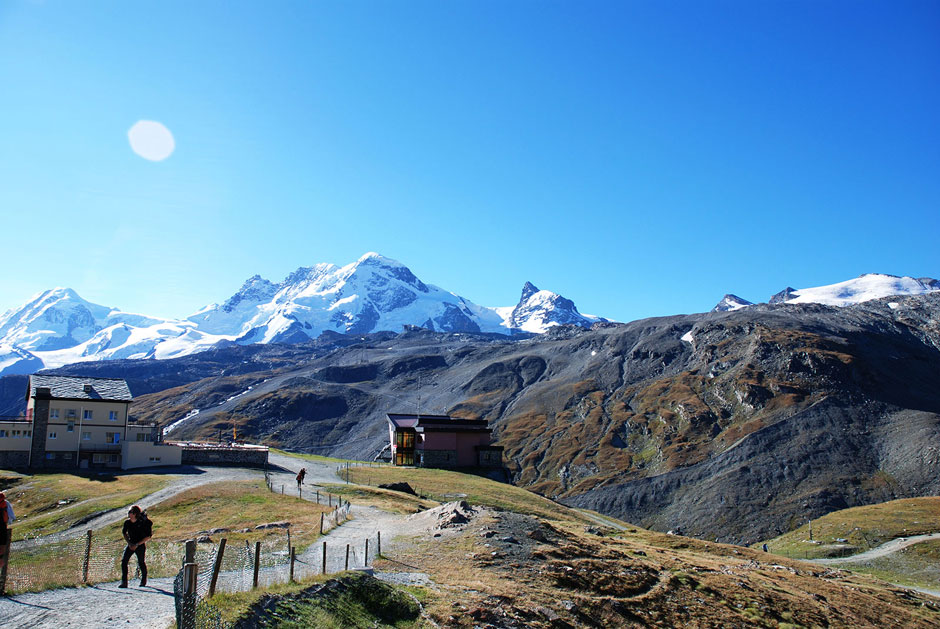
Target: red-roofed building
[(442, 441)]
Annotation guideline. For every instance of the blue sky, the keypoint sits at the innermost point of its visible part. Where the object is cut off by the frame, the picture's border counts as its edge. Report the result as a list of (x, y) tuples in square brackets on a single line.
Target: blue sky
[(640, 158)]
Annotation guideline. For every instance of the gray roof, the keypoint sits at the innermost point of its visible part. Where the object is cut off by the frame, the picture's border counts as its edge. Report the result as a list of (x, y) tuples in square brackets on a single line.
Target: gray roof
[(73, 388)]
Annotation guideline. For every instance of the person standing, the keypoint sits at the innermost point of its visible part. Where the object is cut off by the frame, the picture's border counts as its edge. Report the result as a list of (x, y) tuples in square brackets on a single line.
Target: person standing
[(137, 532), (300, 477)]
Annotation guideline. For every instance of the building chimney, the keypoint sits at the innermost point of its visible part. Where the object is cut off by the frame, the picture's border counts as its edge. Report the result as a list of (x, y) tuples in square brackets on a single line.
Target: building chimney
[(88, 388)]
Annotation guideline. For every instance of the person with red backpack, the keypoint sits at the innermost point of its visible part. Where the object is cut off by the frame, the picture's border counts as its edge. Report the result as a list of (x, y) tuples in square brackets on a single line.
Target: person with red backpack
[(137, 532)]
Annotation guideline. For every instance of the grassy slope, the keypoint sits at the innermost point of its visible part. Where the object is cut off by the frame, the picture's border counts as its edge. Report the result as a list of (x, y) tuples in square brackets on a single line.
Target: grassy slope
[(233, 505), (49, 503), (863, 527)]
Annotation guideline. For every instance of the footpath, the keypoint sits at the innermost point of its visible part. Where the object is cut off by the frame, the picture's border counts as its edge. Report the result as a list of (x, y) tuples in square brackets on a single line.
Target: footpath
[(152, 607)]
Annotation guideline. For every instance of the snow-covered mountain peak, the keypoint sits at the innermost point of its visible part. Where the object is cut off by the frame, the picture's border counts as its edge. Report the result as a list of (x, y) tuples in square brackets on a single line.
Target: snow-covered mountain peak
[(863, 288), (731, 302), (528, 289), (539, 310)]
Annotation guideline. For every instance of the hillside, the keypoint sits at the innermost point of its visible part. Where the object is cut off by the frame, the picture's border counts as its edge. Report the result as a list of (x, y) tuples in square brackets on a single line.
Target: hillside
[(733, 425), (513, 560)]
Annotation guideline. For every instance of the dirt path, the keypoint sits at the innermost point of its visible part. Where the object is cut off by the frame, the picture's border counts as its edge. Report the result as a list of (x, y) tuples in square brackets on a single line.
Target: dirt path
[(152, 607), (885, 549)]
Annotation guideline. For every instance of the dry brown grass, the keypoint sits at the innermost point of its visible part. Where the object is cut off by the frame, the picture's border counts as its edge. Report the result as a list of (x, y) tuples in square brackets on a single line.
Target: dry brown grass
[(642, 579), (234, 505)]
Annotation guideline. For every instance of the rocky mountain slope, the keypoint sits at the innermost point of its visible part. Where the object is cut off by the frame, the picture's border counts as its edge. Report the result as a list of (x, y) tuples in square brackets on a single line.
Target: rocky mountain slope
[(58, 327)]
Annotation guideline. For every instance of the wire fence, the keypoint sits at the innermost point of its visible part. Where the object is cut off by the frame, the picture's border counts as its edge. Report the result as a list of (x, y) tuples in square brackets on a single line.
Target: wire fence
[(245, 566), (91, 558)]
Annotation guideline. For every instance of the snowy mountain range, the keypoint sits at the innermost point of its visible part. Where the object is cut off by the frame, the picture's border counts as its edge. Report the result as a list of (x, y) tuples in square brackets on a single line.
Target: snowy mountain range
[(58, 327), (375, 293), (862, 288)]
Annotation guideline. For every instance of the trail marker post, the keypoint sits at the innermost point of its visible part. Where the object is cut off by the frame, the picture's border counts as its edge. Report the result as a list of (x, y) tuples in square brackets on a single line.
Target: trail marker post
[(217, 567)]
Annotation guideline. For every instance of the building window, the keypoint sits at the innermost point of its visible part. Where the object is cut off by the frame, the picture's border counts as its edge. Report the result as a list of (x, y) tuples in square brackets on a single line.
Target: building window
[(154, 459), (87, 416), (3, 433), (112, 458), (112, 415), (16, 433), (67, 456), (405, 440), (53, 413), (52, 435), (50, 456), (112, 437), (71, 413), (28, 433), (70, 427), (97, 458), (86, 436), (142, 436)]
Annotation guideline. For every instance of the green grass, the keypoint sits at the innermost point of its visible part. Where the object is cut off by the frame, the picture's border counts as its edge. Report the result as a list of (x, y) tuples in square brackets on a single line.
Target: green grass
[(862, 528), (48, 503), (446, 486), (354, 600)]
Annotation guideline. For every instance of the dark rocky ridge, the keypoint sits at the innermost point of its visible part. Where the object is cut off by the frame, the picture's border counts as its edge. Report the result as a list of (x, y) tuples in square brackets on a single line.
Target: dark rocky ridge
[(770, 414)]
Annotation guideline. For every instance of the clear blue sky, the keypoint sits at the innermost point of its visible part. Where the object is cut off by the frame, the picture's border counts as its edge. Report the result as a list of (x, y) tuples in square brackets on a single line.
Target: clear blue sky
[(640, 158)]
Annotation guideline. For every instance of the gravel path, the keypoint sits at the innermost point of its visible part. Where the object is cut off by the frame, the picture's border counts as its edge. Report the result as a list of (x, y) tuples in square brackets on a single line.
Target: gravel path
[(105, 605), (885, 549)]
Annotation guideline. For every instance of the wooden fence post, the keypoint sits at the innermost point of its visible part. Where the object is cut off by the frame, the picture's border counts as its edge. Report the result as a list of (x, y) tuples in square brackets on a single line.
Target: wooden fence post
[(318, 496), (257, 564), (217, 567), (321, 523), (366, 560), (188, 608), (324, 557), (379, 549), (87, 559), (293, 558), (330, 497), (190, 556), (347, 556)]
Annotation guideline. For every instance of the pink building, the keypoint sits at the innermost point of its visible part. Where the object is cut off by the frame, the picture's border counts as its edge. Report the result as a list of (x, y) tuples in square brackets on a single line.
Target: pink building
[(442, 441)]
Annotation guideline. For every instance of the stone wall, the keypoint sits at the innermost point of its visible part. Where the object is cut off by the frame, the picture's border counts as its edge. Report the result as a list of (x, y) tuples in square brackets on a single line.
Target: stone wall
[(248, 457), (445, 459), (13, 459)]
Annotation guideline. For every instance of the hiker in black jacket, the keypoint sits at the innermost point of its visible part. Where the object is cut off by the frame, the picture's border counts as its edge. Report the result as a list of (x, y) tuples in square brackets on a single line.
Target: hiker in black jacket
[(137, 531)]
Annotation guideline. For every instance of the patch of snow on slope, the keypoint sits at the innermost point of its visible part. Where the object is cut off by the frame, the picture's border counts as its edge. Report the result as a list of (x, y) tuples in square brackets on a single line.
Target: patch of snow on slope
[(687, 337), (864, 288), (177, 423)]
